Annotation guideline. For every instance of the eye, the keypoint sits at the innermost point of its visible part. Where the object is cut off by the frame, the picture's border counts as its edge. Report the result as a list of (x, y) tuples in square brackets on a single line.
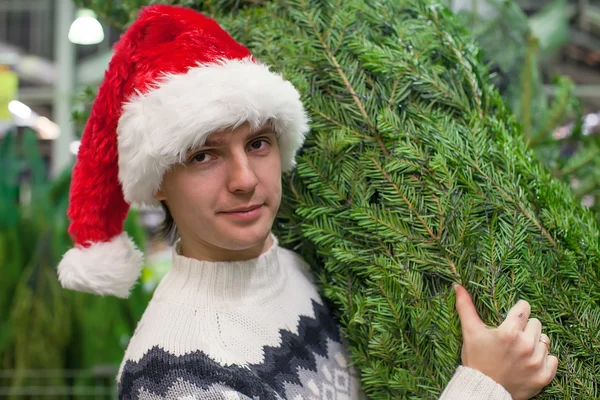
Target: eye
[(259, 144), (201, 158)]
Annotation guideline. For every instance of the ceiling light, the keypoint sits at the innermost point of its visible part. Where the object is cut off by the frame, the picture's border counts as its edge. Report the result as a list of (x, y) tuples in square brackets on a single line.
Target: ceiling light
[(86, 29)]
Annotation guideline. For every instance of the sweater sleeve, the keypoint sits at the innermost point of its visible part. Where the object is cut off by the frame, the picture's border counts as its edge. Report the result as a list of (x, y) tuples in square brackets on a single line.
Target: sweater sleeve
[(470, 384)]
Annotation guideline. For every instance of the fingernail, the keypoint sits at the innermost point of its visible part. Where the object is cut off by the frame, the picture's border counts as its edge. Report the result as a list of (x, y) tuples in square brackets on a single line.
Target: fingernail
[(455, 286)]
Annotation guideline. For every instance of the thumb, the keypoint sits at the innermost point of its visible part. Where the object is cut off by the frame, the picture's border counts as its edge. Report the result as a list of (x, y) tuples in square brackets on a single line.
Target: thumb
[(469, 319)]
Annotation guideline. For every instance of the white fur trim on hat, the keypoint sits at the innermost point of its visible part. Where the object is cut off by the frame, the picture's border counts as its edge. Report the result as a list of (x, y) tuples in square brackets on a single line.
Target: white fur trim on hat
[(159, 127), (105, 268)]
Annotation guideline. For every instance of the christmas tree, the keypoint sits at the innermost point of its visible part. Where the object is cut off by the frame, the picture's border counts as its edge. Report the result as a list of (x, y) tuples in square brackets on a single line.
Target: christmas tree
[(416, 175)]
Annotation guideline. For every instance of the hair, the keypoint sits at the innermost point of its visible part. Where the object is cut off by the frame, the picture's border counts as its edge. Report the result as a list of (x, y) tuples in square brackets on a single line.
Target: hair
[(168, 228)]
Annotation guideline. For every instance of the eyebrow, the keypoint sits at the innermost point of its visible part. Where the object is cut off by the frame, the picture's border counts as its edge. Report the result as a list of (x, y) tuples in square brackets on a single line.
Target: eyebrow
[(219, 141)]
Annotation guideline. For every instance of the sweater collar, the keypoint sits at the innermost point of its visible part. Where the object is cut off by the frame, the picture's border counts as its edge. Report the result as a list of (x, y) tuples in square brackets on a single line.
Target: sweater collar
[(222, 284)]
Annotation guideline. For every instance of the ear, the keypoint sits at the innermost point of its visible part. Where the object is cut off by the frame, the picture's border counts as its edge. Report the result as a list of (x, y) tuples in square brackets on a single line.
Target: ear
[(159, 195)]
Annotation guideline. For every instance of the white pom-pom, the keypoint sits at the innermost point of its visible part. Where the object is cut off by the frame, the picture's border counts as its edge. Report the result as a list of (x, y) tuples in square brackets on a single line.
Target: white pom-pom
[(104, 268)]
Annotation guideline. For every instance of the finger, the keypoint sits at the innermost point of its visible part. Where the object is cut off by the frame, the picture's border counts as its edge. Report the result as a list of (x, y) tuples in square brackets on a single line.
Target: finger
[(469, 319), (551, 368), (533, 331), (542, 350), (545, 340), (517, 317)]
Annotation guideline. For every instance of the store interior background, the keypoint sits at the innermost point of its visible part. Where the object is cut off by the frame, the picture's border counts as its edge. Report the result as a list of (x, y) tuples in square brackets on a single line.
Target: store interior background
[(53, 54)]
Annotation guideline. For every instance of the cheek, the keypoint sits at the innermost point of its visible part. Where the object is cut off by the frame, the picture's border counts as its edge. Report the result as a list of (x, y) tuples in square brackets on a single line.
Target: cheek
[(272, 178), (190, 195), (275, 193)]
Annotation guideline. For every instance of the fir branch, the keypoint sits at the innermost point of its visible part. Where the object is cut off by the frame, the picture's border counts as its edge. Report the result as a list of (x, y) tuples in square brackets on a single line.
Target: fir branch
[(469, 74)]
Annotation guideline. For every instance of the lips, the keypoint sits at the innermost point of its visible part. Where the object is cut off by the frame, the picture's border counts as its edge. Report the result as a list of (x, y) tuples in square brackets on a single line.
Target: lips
[(243, 209)]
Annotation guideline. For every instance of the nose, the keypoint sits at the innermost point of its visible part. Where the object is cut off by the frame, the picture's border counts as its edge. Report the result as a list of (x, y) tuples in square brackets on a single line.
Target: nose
[(242, 177)]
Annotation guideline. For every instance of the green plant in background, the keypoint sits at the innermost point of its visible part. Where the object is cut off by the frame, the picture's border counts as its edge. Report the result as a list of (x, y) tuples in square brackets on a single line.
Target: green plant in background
[(416, 175), (520, 48), (42, 326)]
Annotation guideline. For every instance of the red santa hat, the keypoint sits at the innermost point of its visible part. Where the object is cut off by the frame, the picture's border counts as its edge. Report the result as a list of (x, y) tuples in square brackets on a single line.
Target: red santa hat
[(175, 77)]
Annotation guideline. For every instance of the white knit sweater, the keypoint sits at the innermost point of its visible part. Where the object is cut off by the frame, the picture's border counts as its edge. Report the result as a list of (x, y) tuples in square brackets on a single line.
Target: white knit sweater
[(256, 329)]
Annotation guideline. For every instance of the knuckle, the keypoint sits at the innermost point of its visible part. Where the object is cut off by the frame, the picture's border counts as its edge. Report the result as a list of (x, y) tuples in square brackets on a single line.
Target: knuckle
[(509, 337), (552, 365), (545, 337), (506, 340), (524, 348), (535, 363), (535, 321)]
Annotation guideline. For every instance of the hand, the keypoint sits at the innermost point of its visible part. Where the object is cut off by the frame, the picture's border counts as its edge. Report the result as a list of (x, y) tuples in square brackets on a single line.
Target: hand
[(511, 354)]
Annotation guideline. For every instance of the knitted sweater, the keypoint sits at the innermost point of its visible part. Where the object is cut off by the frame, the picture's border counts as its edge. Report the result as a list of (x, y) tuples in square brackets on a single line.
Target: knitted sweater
[(255, 329)]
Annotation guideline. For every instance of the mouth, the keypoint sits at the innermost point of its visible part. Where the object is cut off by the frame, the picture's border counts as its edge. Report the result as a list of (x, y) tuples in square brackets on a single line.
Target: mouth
[(242, 210)]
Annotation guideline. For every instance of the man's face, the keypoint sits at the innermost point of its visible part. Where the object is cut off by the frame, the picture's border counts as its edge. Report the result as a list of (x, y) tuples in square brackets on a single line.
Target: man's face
[(226, 195)]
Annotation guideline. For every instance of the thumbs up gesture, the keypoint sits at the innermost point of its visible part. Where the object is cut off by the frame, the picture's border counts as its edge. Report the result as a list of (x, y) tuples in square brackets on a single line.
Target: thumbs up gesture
[(516, 354)]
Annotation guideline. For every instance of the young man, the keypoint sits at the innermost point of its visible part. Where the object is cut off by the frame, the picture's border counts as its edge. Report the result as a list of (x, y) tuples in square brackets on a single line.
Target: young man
[(187, 118)]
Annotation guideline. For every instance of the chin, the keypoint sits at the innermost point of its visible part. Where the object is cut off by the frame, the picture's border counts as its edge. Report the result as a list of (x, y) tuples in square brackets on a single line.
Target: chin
[(243, 238)]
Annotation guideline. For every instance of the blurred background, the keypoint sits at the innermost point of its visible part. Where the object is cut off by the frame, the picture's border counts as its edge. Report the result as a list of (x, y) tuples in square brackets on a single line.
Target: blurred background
[(545, 59)]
